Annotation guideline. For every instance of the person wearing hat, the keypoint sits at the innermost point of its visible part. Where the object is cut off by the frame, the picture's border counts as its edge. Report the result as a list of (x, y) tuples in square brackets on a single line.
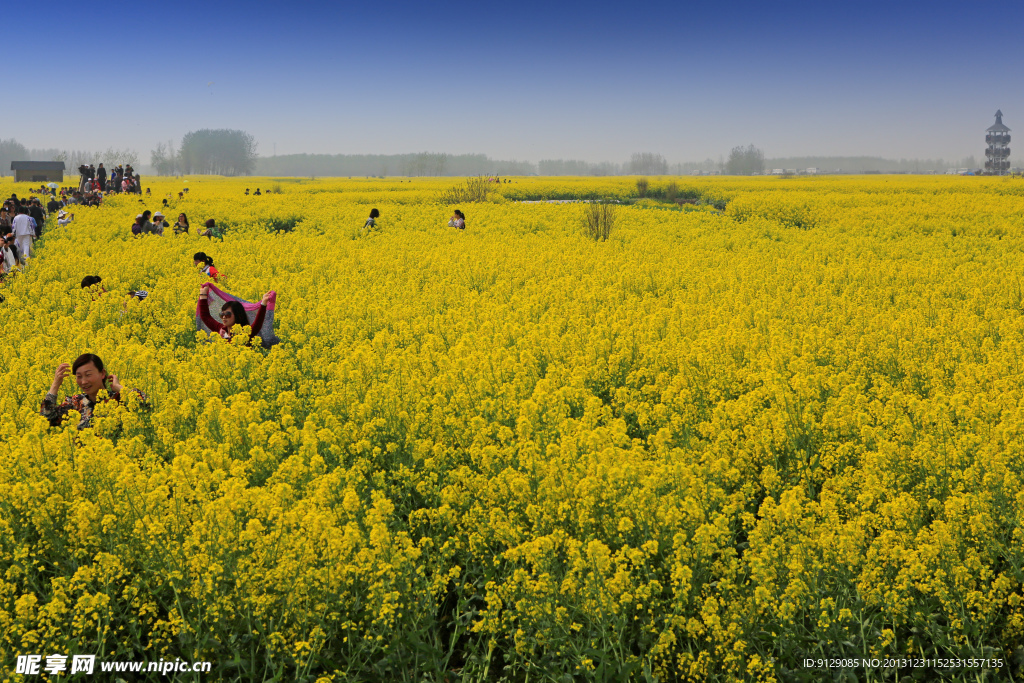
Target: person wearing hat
[(63, 218), (159, 223)]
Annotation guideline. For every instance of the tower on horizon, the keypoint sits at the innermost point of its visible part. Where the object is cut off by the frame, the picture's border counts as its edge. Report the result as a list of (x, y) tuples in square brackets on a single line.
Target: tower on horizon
[(998, 152)]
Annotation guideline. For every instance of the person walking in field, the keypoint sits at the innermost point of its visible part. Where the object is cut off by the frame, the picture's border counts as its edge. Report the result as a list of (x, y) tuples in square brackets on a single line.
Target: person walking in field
[(24, 232), (231, 313), (90, 376), (371, 222), (35, 210), (6, 216)]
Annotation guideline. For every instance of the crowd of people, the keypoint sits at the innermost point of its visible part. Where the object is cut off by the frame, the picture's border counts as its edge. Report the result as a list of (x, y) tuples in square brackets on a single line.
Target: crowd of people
[(69, 195), (21, 222), (89, 370), (122, 179), (149, 223)]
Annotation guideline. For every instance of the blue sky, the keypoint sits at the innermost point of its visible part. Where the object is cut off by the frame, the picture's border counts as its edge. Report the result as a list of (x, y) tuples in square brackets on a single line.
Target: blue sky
[(527, 80)]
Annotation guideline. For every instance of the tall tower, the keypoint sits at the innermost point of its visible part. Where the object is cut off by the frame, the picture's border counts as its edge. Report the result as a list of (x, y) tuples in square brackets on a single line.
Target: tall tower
[(998, 152)]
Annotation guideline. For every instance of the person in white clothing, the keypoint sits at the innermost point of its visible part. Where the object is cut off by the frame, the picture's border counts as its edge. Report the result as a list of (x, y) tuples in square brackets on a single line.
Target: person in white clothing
[(7, 260), (24, 232)]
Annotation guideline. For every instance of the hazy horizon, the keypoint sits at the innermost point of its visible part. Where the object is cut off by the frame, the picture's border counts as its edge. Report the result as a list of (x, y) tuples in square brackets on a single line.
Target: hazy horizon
[(594, 82)]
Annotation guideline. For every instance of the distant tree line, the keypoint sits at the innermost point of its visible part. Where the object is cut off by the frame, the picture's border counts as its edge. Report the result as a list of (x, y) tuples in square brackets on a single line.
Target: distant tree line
[(434, 164), (12, 150), (233, 152), (741, 161), (419, 164), (576, 167), (868, 164), (750, 160), (207, 152), (641, 163), (745, 161)]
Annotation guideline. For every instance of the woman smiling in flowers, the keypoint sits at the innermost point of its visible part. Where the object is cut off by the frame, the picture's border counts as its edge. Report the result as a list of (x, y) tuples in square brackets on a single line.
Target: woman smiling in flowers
[(90, 376), (231, 313)]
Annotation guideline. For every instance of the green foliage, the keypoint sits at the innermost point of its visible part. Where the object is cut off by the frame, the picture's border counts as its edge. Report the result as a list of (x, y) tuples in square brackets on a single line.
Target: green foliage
[(218, 152), (598, 219), (472, 190), (11, 150), (648, 163), (745, 161), (671, 191), (642, 186)]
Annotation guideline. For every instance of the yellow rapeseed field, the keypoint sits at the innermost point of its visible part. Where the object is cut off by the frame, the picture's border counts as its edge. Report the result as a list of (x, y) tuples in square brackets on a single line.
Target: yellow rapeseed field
[(783, 422)]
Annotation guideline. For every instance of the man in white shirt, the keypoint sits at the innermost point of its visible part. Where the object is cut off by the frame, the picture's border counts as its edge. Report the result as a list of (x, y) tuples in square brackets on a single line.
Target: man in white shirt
[(24, 232)]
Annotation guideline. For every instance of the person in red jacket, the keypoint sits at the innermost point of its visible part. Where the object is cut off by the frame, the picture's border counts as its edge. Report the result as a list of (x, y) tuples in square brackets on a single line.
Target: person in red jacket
[(231, 313), (205, 263)]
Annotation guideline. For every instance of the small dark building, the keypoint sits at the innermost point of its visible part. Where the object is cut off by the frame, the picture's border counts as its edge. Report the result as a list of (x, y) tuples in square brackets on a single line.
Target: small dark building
[(38, 171), (998, 151)]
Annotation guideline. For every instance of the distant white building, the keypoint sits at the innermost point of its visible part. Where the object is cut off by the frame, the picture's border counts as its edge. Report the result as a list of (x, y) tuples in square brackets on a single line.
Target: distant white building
[(812, 171)]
